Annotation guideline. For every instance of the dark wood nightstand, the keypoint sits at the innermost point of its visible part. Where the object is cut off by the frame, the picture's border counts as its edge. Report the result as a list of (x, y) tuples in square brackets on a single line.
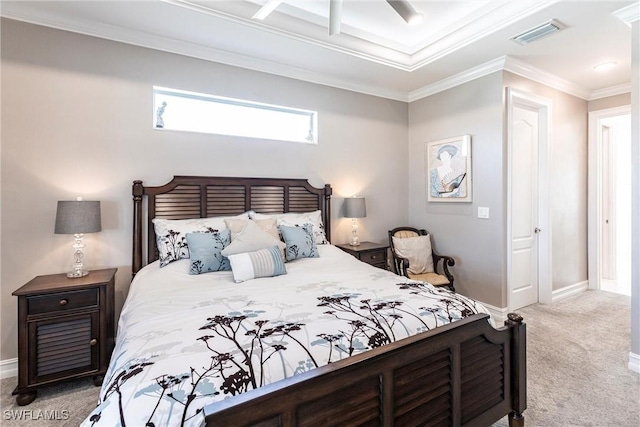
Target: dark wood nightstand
[(371, 253), (66, 329)]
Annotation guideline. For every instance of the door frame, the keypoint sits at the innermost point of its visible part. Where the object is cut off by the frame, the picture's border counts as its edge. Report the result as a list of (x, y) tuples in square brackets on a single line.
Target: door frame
[(545, 112), (594, 196)]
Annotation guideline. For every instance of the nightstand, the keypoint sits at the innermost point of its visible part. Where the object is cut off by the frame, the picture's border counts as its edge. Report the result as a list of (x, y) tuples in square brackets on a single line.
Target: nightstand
[(66, 329), (371, 253)]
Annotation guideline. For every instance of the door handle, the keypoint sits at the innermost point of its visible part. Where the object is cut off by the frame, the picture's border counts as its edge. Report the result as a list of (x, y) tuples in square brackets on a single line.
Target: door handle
[(536, 230)]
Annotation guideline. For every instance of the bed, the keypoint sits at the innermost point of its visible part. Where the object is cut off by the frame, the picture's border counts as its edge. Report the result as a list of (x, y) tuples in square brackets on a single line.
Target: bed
[(322, 340)]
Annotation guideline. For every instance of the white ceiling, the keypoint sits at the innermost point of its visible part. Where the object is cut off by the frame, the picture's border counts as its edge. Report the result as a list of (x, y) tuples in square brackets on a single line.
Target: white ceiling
[(376, 52)]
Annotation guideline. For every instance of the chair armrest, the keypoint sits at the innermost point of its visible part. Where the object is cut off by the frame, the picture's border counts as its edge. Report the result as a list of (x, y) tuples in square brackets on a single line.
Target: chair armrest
[(400, 265), (446, 262)]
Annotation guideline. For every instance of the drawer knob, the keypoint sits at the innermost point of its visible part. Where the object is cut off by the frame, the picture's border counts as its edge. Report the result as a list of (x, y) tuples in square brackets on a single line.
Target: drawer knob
[(374, 256), (93, 342), (64, 301)]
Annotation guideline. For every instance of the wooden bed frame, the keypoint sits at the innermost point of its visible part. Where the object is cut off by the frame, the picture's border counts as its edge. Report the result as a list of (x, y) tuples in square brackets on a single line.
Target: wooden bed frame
[(466, 373)]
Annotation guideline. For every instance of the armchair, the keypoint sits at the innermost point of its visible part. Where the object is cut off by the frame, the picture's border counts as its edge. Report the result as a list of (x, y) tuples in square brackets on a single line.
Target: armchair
[(437, 273)]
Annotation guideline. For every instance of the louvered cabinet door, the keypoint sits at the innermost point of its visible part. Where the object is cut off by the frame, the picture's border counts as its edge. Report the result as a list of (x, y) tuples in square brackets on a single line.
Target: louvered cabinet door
[(63, 347)]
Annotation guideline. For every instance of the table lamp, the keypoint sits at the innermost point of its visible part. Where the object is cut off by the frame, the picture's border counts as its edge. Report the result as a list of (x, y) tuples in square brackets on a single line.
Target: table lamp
[(354, 208)]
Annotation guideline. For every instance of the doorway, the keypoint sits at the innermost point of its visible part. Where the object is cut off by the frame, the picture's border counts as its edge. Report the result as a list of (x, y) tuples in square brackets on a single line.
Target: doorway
[(610, 200), (528, 225)]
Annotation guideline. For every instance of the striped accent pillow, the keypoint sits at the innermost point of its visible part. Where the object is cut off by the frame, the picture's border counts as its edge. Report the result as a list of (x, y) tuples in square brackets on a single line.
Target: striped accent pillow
[(262, 263)]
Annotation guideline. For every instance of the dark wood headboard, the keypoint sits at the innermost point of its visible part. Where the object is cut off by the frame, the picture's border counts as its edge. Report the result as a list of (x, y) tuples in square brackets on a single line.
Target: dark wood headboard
[(186, 197)]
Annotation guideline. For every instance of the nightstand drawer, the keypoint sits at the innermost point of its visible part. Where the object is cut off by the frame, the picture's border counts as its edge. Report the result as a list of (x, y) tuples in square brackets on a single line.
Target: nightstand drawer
[(374, 257), (374, 254), (62, 301)]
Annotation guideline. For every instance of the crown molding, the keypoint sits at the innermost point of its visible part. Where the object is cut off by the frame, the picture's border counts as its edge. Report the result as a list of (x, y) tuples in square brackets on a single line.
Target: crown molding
[(458, 79), (524, 69), (506, 63), (170, 45), (610, 91), (379, 58), (629, 14)]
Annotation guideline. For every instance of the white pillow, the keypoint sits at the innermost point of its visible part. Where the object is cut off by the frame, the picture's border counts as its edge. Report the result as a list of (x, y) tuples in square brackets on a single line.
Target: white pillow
[(417, 250), (292, 219), (250, 239), (171, 234), (237, 225)]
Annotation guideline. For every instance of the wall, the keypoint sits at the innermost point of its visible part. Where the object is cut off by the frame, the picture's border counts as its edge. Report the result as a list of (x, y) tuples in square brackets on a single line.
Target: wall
[(634, 358), (609, 102), (477, 108), (567, 181), (77, 120), (477, 244)]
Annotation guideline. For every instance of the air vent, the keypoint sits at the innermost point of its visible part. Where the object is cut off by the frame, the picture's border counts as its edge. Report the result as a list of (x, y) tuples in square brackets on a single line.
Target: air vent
[(538, 32)]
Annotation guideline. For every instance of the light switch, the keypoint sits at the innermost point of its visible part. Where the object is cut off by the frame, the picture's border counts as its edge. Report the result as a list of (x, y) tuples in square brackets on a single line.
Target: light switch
[(483, 213)]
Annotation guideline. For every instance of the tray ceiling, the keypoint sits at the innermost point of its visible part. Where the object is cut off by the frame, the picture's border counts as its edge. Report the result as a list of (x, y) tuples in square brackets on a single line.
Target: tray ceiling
[(376, 51)]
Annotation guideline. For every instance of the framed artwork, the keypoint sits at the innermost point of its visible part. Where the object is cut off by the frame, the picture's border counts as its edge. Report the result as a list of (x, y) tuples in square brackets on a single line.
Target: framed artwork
[(449, 170)]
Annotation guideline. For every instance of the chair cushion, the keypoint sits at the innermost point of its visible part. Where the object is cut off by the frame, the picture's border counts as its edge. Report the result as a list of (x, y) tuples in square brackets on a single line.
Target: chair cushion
[(403, 234), (433, 278), (417, 250)]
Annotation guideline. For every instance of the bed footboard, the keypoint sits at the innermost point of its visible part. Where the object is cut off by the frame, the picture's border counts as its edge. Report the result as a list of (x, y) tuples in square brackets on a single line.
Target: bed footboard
[(465, 373)]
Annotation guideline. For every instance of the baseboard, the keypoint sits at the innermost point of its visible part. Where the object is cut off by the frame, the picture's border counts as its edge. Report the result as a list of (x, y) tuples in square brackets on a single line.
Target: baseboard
[(499, 315), (569, 291), (634, 362), (8, 368)]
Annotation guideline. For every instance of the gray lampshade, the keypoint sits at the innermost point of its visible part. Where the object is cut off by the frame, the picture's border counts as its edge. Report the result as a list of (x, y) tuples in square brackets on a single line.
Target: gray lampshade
[(354, 207), (78, 217)]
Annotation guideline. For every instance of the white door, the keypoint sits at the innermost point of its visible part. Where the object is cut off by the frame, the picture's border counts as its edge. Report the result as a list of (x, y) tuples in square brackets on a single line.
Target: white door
[(524, 206), (608, 206)]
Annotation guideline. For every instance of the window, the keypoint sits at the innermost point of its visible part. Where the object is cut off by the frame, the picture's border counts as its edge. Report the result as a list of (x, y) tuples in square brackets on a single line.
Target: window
[(197, 112)]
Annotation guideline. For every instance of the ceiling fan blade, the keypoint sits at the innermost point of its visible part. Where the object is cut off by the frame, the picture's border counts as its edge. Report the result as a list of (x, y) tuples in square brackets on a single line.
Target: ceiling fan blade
[(266, 9), (335, 16), (406, 11)]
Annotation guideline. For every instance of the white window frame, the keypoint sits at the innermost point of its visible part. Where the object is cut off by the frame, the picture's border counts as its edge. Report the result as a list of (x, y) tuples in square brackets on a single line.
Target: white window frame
[(306, 131)]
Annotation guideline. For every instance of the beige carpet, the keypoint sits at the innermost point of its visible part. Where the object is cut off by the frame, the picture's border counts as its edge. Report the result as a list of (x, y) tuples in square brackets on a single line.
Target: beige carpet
[(578, 351)]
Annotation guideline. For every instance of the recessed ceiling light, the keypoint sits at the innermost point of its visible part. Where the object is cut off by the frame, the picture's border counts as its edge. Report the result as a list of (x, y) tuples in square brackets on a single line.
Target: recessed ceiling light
[(605, 66)]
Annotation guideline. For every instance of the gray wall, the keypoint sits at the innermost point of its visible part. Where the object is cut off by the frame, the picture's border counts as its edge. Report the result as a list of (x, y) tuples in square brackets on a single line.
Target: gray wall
[(635, 192), (77, 120), (479, 245), (610, 102)]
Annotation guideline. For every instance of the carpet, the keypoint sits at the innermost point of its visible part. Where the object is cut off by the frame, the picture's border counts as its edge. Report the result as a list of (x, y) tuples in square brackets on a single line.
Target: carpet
[(577, 353)]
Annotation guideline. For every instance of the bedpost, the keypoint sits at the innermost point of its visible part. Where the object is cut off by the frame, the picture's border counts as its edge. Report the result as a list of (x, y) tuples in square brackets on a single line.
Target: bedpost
[(327, 209), (519, 368), (136, 262)]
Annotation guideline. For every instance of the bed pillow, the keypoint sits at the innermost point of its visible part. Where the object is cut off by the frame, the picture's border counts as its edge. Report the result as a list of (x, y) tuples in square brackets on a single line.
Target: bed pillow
[(205, 251), (300, 241), (252, 265), (170, 234), (237, 225), (417, 250), (292, 219), (252, 238)]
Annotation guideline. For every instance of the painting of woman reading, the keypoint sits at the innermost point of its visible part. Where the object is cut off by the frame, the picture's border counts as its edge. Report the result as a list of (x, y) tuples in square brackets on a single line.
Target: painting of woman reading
[(449, 164)]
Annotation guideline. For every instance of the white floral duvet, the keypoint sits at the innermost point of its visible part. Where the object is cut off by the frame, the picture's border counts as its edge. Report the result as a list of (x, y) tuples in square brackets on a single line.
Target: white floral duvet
[(188, 340)]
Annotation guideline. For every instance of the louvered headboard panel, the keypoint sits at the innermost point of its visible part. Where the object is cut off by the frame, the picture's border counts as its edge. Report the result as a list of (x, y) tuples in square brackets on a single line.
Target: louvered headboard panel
[(186, 197)]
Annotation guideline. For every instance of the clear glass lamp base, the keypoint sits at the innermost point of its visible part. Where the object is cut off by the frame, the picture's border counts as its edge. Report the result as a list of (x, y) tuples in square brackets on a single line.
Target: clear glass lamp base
[(77, 273), (355, 240), (77, 268)]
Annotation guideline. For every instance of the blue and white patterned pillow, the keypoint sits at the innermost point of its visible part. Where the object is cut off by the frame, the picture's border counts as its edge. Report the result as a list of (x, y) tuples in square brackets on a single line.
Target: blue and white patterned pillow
[(262, 263), (205, 251), (170, 234), (300, 241), (292, 219)]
